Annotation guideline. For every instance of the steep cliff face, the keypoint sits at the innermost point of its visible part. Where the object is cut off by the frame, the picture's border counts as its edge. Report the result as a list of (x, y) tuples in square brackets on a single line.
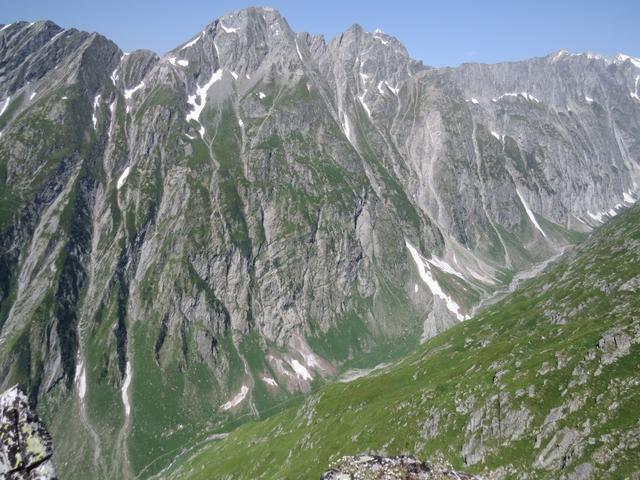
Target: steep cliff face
[(543, 384), (196, 237)]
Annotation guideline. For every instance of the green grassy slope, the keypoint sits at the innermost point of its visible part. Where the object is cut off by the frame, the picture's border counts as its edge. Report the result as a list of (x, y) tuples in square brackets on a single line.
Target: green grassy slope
[(545, 382)]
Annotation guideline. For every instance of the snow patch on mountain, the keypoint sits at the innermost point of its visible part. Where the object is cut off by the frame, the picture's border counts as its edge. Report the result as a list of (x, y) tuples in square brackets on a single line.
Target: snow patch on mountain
[(445, 267), (123, 177), (298, 50), (125, 389), (300, 370), (128, 93), (395, 90), (112, 109), (598, 216), (228, 29), (425, 274), (525, 95), (364, 105), (201, 97), (381, 40), (5, 105), (530, 214), (628, 197), (193, 42), (635, 94), (81, 379), (235, 401), (96, 104), (269, 381)]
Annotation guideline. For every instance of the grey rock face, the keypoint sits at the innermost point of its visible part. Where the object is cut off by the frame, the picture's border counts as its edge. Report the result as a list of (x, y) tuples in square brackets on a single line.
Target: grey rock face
[(389, 468), (228, 224), (25, 444)]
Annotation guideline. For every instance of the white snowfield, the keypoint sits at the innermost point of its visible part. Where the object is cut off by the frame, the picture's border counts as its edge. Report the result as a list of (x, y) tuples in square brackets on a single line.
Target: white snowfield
[(395, 90), (123, 177), (530, 214), (298, 50), (125, 389), (128, 93), (173, 61), (635, 94), (525, 95), (269, 381), (598, 216), (445, 267), (300, 370), (94, 118), (228, 29), (112, 109), (5, 27), (81, 379), (235, 401), (5, 105), (364, 105), (380, 39), (425, 274), (192, 42), (201, 96), (628, 197), (261, 95), (114, 76), (33, 95)]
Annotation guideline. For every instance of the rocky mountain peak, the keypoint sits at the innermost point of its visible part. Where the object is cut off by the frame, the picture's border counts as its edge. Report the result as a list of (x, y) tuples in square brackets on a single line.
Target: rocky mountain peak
[(238, 46)]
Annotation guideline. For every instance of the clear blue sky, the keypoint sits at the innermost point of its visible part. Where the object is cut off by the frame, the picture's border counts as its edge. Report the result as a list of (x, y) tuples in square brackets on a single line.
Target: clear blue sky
[(444, 32)]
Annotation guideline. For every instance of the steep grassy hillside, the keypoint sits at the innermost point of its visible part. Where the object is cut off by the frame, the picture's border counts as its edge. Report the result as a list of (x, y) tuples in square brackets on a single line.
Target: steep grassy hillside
[(544, 383)]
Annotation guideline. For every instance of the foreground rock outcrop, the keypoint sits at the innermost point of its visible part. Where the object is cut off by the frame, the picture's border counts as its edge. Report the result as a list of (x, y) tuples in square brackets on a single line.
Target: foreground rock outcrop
[(373, 467), (26, 447)]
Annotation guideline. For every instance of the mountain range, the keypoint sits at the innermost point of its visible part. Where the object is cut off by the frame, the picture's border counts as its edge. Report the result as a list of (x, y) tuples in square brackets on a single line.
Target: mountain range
[(199, 239)]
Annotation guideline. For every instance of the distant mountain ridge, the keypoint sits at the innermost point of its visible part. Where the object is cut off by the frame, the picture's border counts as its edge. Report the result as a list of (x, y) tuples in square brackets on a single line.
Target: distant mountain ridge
[(198, 238)]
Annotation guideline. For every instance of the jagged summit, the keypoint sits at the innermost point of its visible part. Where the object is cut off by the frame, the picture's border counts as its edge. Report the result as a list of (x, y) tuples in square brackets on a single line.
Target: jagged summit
[(619, 59)]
